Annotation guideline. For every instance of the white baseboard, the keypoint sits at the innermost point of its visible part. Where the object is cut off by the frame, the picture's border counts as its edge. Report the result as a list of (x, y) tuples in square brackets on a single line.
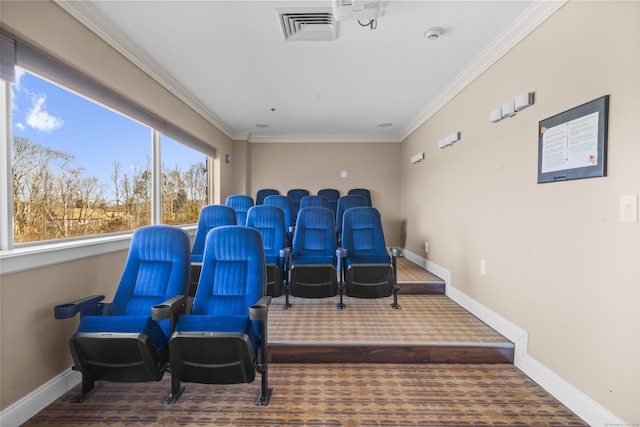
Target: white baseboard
[(36, 401), (580, 404)]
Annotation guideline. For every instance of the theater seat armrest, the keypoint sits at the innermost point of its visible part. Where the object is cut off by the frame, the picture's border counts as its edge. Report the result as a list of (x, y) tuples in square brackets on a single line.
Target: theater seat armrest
[(170, 308), (85, 306), (259, 310)]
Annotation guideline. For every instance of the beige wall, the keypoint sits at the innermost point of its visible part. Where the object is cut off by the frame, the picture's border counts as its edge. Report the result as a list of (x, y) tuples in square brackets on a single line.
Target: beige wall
[(241, 161), (314, 166), (559, 263), (33, 346)]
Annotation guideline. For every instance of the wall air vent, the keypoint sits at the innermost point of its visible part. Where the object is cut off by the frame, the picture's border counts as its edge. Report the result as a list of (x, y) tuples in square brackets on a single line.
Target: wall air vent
[(307, 24)]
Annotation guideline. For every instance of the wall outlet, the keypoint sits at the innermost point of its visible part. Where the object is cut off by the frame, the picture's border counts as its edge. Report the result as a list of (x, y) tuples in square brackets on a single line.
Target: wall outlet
[(483, 267), (426, 246)]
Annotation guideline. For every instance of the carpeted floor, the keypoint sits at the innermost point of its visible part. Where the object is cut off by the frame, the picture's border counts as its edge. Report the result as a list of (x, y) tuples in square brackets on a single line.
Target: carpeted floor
[(329, 395), (338, 394), (422, 318)]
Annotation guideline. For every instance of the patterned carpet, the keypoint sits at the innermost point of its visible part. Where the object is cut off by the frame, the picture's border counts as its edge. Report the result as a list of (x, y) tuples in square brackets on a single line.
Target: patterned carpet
[(329, 395), (422, 318), (339, 394), (411, 272)]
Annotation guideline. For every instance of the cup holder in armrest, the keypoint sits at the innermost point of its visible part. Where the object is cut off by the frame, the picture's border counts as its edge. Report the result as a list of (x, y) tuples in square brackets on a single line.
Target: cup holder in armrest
[(160, 311), (258, 312)]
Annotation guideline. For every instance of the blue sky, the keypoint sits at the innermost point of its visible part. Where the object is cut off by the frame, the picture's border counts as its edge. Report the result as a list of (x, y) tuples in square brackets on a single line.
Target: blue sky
[(56, 118)]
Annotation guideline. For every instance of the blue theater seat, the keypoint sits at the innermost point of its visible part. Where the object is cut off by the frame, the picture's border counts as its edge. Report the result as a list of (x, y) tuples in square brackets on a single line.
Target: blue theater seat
[(361, 192), (269, 221), (312, 201), (223, 337), (370, 271), (284, 203), (344, 203), (241, 204), (264, 193), (122, 341), (211, 216), (296, 196), (332, 196), (313, 255)]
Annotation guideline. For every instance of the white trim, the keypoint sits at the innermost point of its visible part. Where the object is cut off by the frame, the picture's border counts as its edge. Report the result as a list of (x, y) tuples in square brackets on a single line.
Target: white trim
[(6, 180), (579, 403), (576, 401), (529, 20), (36, 401), (91, 18), (322, 138), (156, 178), (95, 21), (41, 255), (29, 257)]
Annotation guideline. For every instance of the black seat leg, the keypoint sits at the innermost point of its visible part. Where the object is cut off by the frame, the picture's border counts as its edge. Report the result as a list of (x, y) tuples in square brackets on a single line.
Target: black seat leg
[(261, 313), (394, 255), (176, 391), (89, 387), (286, 287), (395, 252), (340, 254)]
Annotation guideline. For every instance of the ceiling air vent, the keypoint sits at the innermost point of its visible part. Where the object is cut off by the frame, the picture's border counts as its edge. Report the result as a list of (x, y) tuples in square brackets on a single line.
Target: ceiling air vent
[(309, 24)]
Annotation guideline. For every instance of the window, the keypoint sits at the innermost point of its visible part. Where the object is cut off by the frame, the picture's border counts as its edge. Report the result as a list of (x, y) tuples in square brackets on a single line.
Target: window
[(184, 183), (78, 168), (83, 157)]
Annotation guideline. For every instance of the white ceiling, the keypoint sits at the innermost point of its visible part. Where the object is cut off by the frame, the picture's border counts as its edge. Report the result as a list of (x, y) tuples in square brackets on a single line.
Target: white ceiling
[(229, 61)]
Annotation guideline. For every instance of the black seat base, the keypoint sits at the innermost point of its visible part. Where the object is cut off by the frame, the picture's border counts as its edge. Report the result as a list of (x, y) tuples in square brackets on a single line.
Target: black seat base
[(369, 280), (117, 357), (314, 281)]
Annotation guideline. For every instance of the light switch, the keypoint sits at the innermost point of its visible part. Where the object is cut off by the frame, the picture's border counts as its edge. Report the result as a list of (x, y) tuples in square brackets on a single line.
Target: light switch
[(629, 208)]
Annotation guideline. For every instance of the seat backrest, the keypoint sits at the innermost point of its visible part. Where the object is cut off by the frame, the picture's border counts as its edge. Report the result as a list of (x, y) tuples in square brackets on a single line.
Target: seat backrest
[(157, 268), (264, 193), (269, 221), (363, 237), (296, 196), (211, 216), (241, 204), (332, 196), (314, 240), (362, 192), (284, 203), (233, 273), (347, 202), (314, 202)]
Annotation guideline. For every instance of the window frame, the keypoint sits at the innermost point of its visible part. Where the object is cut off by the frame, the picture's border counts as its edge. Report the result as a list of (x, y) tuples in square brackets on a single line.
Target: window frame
[(25, 256)]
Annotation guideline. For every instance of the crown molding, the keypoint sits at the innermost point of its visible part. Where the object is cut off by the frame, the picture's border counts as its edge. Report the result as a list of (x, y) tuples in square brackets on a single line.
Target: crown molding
[(529, 20), (538, 12), (89, 16), (323, 139)]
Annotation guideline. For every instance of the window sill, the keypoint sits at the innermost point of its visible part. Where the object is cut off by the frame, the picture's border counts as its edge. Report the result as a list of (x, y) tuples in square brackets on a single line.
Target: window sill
[(42, 255)]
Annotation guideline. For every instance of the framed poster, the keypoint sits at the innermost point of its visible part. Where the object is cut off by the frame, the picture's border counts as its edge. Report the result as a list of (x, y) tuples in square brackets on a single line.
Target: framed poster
[(573, 144)]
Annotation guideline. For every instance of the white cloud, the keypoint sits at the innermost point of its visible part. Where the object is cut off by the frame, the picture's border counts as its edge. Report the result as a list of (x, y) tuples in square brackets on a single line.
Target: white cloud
[(19, 74), (38, 118), (20, 126)]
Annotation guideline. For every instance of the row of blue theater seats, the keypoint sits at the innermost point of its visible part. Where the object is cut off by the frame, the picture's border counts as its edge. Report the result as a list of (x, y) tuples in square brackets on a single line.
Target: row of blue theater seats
[(297, 194), (217, 338), (314, 240), (242, 203)]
